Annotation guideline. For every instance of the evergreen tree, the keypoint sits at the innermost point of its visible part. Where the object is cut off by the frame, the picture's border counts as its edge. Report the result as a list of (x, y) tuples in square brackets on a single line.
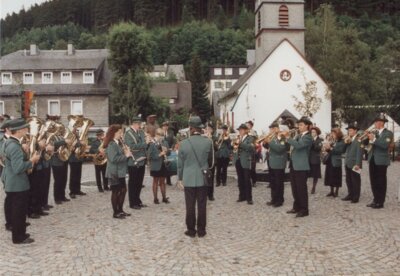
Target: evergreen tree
[(200, 102)]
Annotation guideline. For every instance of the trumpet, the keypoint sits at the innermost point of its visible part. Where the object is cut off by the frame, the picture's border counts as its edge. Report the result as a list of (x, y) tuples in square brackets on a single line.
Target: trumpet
[(125, 147), (222, 138), (265, 138), (363, 137)]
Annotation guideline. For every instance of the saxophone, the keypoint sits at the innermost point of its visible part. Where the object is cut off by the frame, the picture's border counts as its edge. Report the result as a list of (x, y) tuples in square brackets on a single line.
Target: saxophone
[(98, 158)]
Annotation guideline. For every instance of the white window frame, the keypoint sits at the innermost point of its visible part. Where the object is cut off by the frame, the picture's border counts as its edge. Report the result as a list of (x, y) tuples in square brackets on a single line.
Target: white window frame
[(228, 71), (228, 86), (66, 81), (59, 107), (2, 78), (34, 104), (242, 71), (221, 85), (4, 107), (71, 104), (51, 78), (217, 71), (24, 78), (172, 101), (84, 79)]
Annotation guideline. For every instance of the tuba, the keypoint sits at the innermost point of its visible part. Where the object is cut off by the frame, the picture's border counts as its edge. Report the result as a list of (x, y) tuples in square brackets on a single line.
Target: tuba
[(74, 122), (35, 129), (86, 125)]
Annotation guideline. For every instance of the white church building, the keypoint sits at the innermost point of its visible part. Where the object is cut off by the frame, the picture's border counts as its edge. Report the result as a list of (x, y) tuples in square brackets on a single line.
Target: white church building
[(273, 85)]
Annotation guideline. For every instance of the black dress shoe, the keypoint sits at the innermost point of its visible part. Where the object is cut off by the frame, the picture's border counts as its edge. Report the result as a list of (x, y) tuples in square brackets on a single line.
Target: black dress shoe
[(293, 211), (27, 224), (223, 184), (354, 201), (211, 198), (372, 204), (191, 234), (58, 202), (250, 202), (125, 214), (347, 198), (34, 216), (270, 203), (240, 200), (8, 227), (377, 206), (101, 190), (45, 208), (73, 196), (136, 207), (330, 194), (201, 234), (42, 213), (302, 214), (218, 184), (277, 205), (49, 206), (25, 241), (65, 200), (118, 216), (106, 188), (169, 183), (165, 200), (81, 193), (156, 201), (142, 205)]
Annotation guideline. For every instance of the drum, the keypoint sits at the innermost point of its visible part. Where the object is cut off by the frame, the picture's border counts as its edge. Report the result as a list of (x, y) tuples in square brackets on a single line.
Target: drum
[(171, 163)]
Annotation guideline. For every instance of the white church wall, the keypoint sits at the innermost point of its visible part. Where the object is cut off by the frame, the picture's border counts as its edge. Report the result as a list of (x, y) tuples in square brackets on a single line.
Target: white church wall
[(265, 96)]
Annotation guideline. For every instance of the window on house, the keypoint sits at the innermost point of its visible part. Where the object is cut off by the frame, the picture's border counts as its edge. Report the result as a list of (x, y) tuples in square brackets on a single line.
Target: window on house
[(2, 108), (259, 21), (218, 84), (217, 71), (47, 77), (88, 77), (242, 71), (283, 16), (228, 84), (54, 107), (76, 107), (66, 77), (171, 101), (28, 78), (228, 71), (33, 110), (6, 78)]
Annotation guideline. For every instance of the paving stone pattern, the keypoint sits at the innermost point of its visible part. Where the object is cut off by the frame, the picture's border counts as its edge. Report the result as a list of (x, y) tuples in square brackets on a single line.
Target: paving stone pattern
[(338, 238)]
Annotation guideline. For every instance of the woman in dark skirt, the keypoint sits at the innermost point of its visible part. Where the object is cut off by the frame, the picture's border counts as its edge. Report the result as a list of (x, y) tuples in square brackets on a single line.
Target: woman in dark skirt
[(158, 151), (315, 157), (335, 147), (117, 165)]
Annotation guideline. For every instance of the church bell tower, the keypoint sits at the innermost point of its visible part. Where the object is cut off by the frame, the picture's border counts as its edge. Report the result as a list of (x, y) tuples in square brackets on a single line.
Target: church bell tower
[(276, 21)]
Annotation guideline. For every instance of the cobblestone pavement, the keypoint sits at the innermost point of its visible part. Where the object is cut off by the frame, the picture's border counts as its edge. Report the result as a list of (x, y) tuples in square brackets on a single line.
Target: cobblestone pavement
[(338, 238)]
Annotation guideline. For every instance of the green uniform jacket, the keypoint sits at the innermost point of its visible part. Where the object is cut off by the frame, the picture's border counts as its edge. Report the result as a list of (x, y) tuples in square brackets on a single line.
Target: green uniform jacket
[(117, 163), (245, 152), (55, 161), (136, 141), (154, 158), (278, 154), (315, 151), (188, 168), (300, 152), (94, 147), (14, 176), (224, 150), (380, 148), (336, 153), (353, 154)]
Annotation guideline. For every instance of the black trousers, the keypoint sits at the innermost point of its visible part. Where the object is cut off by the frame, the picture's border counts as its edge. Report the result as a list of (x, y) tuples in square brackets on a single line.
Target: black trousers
[(222, 169), (277, 185), (18, 207), (44, 197), (135, 182), (75, 175), (7, 209), (60, 174), (378, 179), (245, 187), (36, 181), (298, 181), (353, 182), (192, 196), (100, 171), (253, 174), (211, 188)]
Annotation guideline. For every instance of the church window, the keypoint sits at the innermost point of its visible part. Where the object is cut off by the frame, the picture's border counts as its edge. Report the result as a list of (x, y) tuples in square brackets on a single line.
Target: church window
[(283, 16)]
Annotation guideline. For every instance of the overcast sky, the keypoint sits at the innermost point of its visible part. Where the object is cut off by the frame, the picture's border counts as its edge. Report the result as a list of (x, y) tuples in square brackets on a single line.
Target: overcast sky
[(10, 6)]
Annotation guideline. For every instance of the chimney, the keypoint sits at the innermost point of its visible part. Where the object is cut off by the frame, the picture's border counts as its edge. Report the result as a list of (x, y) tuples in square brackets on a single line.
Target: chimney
[(71, 50), (34, 50)]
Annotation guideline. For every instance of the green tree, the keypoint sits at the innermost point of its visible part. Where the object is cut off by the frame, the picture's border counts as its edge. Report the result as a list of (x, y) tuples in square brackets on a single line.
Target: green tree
[(200, 102)]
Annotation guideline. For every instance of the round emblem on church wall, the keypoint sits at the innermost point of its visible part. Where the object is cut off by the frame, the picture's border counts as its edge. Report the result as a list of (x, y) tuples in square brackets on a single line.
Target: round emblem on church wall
[(285, 75)]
